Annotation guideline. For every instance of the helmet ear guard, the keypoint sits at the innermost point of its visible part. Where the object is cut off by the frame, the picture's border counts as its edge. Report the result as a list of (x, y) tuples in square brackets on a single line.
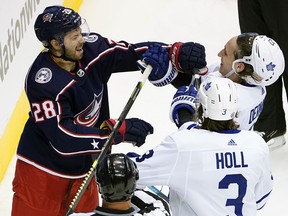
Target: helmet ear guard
[(267, 61), (219, 99)]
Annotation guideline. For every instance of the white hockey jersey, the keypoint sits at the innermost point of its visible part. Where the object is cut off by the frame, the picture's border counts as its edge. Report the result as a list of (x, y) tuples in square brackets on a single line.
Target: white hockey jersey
[(209, 173), (251, 99)]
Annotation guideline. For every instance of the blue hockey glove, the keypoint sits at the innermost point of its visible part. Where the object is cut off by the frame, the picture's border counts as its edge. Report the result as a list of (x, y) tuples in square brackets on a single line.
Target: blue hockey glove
[(131, 130), (188, 57), (185, 98), (163, 72)]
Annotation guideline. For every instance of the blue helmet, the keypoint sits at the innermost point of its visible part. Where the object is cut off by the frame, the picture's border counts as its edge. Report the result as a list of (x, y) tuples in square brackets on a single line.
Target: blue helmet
[(54, 22), (116, 176)]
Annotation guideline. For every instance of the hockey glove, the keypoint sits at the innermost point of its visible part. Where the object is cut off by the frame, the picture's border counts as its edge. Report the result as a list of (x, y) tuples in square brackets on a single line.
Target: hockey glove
[(188, 57), (132, 130), (185, 98), (163, 72)]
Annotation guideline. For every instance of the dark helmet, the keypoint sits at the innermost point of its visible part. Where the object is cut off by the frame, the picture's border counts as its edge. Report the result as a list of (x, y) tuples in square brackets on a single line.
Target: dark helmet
[(54, 22), (116, 176)]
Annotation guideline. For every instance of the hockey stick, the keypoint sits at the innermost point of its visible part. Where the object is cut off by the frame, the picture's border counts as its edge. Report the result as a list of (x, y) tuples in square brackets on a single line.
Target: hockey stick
[(110, 138), (196, 82), (196, 79), (159, 193)]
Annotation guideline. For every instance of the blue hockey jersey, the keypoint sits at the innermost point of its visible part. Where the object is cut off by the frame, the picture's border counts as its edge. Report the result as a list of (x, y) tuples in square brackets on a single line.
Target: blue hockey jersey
[(67, 107)]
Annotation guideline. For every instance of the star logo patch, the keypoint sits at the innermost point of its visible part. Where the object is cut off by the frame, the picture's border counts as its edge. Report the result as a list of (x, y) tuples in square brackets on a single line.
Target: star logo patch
[(95, 144)]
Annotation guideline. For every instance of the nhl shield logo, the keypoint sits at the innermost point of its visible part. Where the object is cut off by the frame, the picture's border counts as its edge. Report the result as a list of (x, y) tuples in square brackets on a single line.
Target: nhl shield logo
[(44, 75)]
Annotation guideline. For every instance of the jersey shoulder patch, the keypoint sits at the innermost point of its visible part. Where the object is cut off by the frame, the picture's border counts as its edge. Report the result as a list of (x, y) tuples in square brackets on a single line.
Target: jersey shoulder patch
[(43, 75)]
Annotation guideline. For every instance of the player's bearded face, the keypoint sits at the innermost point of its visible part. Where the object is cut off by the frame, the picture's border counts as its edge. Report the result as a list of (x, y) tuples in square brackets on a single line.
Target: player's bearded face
[(227, 56), (73, 42)]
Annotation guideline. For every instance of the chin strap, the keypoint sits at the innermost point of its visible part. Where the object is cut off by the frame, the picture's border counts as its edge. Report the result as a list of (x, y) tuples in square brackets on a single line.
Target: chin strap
[(62, 56), (230, 73), (60, 40), (233, 71)]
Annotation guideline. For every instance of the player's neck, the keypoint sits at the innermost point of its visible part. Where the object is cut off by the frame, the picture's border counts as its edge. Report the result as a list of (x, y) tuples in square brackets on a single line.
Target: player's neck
[(66, 65), (117, 205)]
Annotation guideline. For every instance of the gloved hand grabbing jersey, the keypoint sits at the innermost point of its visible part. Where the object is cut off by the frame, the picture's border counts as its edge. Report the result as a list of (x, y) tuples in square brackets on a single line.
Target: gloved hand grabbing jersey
[(188, 57), (158, 57), (185, 98), (131, 130)]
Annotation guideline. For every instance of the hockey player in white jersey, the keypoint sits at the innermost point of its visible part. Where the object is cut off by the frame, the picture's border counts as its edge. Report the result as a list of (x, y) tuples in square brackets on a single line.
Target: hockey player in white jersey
[(252, 61), (116, 178), (212, 168)]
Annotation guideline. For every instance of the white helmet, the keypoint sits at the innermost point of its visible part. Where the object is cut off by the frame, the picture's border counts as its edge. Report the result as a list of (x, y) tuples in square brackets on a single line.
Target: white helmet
[(267, 60), (219, 99)]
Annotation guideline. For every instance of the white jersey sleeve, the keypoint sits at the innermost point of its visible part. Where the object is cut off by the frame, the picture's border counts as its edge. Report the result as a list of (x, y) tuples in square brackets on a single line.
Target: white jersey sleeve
[(163, 155)]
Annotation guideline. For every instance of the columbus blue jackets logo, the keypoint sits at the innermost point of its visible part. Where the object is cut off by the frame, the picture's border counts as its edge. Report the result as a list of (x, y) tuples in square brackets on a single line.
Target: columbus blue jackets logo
[(90, 115), (44, 75)]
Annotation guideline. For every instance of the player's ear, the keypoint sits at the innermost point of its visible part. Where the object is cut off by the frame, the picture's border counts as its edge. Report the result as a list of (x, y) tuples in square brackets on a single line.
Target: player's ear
[(240, 66), (55, 45)]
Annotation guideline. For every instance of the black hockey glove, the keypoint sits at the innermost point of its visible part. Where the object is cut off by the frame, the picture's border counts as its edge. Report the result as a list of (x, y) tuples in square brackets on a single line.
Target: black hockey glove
[(132, 130), (188, 57)]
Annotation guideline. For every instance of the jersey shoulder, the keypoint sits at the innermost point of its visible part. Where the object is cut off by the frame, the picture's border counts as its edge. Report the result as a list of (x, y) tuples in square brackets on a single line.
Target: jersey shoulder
[(45, 76)]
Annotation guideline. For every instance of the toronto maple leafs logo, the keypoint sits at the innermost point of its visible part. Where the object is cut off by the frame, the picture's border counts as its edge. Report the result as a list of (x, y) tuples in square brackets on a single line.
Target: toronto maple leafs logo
[(270, 66), (207, 86)]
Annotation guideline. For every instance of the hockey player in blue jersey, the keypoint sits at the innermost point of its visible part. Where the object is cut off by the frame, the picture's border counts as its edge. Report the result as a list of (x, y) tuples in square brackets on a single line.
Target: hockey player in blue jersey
[(67, 91)]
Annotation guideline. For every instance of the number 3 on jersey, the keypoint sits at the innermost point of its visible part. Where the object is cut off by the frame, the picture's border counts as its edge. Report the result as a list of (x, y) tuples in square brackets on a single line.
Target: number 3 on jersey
[(140, 158), (44, 110), (241, 181)]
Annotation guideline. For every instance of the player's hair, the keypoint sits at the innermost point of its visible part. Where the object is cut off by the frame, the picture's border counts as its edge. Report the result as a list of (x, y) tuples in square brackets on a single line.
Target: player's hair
[(116, 176), (215, 125), (245, 42)]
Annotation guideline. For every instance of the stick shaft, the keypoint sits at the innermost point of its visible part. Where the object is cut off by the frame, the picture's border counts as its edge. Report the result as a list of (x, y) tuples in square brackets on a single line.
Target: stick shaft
[(159, 193), (109, 140)]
